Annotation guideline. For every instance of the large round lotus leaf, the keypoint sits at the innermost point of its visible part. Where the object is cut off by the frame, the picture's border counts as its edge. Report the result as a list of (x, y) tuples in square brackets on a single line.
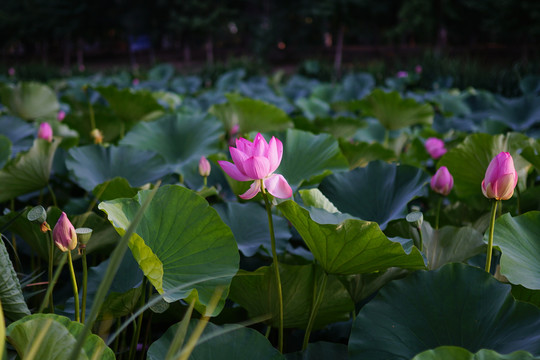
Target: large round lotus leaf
[(519, 114), (320, 351), (19, 132), (469, 161), (257, 293), (181, 244), (110, 125), (178, 138), (226, 342), (93, 165), (379, 192), (351, 247), (456, 305), (395, 112), (60, 337), (519, 240), (11, 297), (250, 115), (457, 353), (251, 238), (29, 100), (362, 153), (313, 107), (28, 171), (128, 105), (532, 154), (307, 156), (5, 150)]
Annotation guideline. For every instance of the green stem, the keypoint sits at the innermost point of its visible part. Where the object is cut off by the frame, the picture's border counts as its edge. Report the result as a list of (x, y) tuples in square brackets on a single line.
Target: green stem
[(74, 283), (490, 240), (91, 113), (276, 266), (205, 180), (85, 281), (51, 260), (386, 137), (52, 195), (54, 280), (518, 200), (314, 310), (439, 202), (268, 329), (117, 340), (137, 332), (421, 242)]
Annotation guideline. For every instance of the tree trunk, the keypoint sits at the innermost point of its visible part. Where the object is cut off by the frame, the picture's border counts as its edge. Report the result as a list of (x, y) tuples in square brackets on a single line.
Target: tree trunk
[(339, 52)]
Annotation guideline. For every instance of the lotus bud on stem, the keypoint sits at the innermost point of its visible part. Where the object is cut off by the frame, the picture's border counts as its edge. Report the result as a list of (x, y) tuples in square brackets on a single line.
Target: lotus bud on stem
[(442, 183), (65, 238), (499, 183), (416, 218)]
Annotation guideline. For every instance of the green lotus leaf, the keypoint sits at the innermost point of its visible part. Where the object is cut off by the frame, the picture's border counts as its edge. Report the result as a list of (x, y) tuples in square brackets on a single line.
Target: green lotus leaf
[(251, 238), (362, 153), (469, 161), (28, 171), (92, 165), (257, 293), (11, 296), (19, 132), (181, 244), (180, 139), (110, 125), (59, 339), (250, 115), (130, 106), (30, 100), (351, 247), (225, 342), (321, 351), (313, 107), (520, 114), (5, 150), (531, 153), (379, 192), (395, 112), (457, 353), (308, 157), (517, 237), (456, 305), (114, 189)]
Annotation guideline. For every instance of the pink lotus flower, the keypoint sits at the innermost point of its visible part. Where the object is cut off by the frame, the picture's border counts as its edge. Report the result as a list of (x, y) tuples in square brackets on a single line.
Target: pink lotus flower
[(45, 132), (11, 71), (418, 69), (61, 115), (64, 234), (135, 82), (435, 147), (442, 182), (256, 161), (204, 166), (501, 178), (402, 74)]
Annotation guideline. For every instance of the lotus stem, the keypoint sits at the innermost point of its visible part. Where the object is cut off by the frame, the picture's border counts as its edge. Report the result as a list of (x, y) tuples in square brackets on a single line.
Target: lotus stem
[(74, 283), (437, 216), (51, 260), (52, 195), (276, 266), (85, 281), (137, 332), (490, 239), (315, 309)]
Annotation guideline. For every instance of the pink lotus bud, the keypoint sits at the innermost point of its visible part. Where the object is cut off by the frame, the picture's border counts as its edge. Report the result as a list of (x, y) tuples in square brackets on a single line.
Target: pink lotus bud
[(64, 234), (442, 182), (501, 178), (418, 69), (256, 161), (61, 115), (11, 71), (135, 82), (402, 74), (82, 67), (435, 147), (204, 166), (45, 131)]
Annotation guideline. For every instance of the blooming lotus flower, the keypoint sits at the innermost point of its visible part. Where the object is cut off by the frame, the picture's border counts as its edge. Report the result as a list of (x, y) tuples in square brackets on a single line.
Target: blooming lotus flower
[(61, 115), (442, 182), (402, 74), (501, 178), (256, 161), (204, 166), (64, 234), (45, 131), (435, 147)]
